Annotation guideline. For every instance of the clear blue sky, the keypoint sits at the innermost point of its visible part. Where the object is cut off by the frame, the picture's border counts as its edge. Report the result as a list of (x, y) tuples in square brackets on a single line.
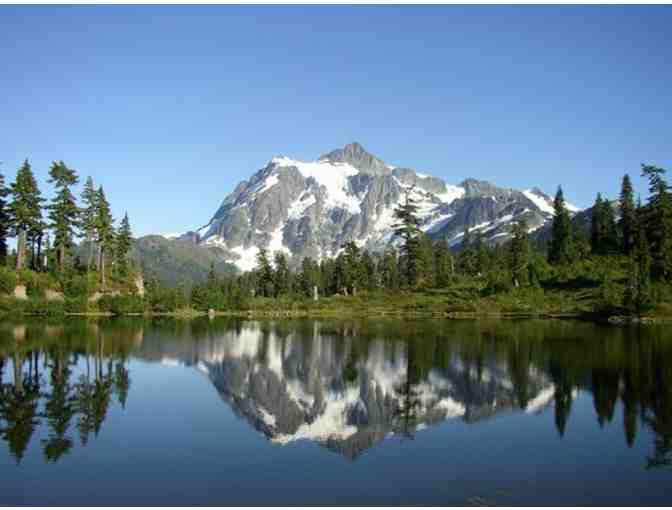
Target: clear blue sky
[(169, 107)]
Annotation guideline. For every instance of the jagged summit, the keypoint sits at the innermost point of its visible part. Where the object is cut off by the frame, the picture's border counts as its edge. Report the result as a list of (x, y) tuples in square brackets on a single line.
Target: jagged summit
[(310, 209), (357, 156)]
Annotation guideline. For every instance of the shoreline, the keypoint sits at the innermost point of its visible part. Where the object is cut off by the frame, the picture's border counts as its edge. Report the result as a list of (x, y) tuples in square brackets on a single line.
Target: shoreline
[(616, 320)]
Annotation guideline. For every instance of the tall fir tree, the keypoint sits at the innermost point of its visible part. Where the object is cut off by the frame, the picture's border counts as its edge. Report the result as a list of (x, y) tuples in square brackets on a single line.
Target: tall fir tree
[(123, 246), (596, 225), (659, 222), (628, 218), (89, 218), (561, 250), (5, 220), (25, 210), (105, 235), (63, 211), (281, 274), (519, 254), (408, 229), (265, 274)]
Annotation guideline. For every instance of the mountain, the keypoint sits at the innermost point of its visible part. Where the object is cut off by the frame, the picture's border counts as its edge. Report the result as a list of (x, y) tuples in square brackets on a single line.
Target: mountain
[(313, 208), (173, 261)]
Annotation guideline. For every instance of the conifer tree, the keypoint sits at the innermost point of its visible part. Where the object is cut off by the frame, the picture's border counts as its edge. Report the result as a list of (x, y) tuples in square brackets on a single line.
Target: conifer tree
[(89, 218), (444, 264), (389, 269), (63, 211), (519, 254), (627, 220), (596, 225), (659, 222), (104, 233), (281, 275), (265, 272), (408, 229), (561, 249), (425, 266), (123, 245), (5, 220), (25, 211)]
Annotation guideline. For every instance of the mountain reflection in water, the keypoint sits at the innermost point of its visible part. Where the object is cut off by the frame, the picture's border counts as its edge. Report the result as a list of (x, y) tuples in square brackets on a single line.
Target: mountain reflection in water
[(344, 385)]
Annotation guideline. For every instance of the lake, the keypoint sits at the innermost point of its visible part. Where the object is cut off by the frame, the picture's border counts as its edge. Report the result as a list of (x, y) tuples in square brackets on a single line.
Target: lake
[(378, 412)]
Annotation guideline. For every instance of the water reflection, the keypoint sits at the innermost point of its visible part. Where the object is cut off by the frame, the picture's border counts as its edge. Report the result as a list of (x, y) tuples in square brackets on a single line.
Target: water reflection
[(346, 386)]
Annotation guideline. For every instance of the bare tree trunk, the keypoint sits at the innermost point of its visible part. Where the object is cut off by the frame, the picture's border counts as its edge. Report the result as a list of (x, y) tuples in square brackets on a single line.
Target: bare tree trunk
[(21, 250), (38, 263), (101, 266)]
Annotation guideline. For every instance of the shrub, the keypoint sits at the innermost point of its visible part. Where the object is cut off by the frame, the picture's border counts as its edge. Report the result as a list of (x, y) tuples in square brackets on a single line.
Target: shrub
[(37, 283), (79, 304), (8, 280), (121, 304)]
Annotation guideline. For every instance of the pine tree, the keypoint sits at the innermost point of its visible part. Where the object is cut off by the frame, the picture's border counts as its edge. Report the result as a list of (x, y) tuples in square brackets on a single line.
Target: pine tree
[(408, 229), (265, 274), (104, 233), (25, 211), (426, 265), (561, 249), (596, 225), (352, 268), (389, 269), (519, 254), (281, 275), (444, 264), (89, 217), (659, 222), (123, 245), (627, 220), (63, 211), (5, 220)]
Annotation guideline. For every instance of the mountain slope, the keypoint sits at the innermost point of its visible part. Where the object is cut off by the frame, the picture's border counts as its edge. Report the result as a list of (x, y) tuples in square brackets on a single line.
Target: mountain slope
[(313, 208)]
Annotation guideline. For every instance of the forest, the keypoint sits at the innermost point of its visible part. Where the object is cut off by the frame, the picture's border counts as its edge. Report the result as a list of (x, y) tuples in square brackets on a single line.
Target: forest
[(619, 264)]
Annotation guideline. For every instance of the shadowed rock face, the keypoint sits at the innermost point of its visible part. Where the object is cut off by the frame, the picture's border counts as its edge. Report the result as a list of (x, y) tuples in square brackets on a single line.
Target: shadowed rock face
[(313, 208), (316, 387)]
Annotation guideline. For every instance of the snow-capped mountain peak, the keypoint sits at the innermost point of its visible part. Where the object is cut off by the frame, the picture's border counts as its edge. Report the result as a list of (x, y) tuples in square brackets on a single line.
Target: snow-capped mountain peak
[(311, 208)]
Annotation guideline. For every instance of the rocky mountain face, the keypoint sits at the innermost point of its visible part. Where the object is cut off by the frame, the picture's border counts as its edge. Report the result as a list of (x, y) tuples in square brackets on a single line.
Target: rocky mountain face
[(313, 208)]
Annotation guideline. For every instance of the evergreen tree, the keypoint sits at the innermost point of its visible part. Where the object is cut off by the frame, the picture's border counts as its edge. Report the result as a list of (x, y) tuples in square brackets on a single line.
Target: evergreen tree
[(561, 249), (104, 233), (5, 220), (389, 269), (425, 265), (352, 268), (596, 225), (25, 211), (520, 254), (627, 219), (123, 245), (63, 211), (89, 218), (281, 275), (310, 277), (408, 229), (659, 222), (444, 264), (265, 274)]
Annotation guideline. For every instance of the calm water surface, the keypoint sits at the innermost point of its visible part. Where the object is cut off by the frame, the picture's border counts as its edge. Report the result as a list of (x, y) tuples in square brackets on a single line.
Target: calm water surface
[(382, 412)]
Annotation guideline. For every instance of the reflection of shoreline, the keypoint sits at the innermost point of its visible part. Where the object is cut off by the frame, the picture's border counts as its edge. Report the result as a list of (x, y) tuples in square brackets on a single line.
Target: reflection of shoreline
[(342, 386)]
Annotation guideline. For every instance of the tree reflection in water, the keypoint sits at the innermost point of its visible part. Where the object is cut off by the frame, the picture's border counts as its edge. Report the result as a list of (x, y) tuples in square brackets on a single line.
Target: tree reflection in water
[(66, 377)]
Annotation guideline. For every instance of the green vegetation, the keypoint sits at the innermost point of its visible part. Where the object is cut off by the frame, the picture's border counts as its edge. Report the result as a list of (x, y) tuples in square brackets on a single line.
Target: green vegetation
[(611, 267)]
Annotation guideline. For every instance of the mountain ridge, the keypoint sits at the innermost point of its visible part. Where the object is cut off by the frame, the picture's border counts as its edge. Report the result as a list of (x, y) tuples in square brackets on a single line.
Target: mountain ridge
[(311, 208)]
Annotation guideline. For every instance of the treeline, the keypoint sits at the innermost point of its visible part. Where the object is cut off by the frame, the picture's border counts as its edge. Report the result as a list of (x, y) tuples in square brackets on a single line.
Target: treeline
[(46, 231), (632, 239)]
